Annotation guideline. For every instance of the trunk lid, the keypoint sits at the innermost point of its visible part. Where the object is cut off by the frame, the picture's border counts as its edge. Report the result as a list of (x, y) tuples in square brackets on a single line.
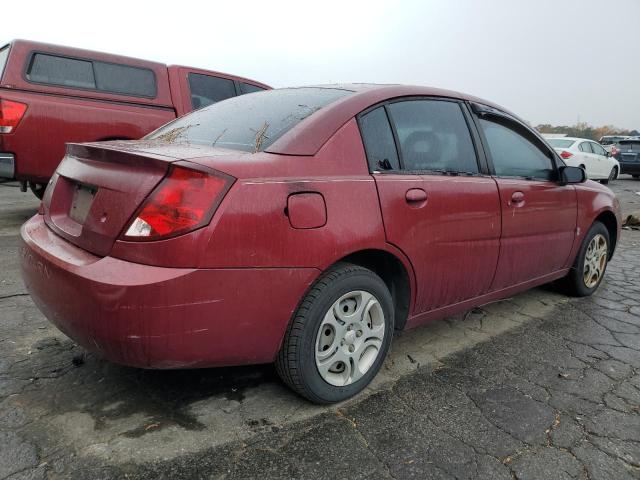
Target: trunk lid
[(96, 190)]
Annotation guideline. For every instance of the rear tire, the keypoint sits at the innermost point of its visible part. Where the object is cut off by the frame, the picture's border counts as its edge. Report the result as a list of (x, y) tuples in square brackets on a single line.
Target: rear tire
[(328, 355), (590, 264)]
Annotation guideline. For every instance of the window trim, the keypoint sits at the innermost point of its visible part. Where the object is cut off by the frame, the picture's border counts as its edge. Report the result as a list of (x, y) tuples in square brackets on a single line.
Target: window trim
[(481, 112), (402, 170), (33, 53)]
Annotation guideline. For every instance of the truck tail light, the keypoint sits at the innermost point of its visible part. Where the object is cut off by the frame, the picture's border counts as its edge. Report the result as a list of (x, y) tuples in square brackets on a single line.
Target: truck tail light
[(184, 201), (564, 154), (10, 115)]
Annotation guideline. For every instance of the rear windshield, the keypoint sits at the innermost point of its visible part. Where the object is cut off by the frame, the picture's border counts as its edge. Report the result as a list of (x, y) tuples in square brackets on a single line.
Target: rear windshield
[(560, 142), (629, 144), (250, 123), (4, 53), (91, 75)]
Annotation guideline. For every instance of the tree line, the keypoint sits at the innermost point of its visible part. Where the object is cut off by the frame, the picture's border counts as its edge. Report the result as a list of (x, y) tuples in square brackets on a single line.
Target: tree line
[(584, 130)]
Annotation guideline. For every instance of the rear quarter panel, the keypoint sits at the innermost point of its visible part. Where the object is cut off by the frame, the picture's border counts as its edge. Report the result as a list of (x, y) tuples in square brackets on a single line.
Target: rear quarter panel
[(251, 227)]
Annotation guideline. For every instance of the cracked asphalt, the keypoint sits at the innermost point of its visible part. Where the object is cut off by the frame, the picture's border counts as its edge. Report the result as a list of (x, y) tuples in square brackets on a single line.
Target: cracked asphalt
[(539, 386)]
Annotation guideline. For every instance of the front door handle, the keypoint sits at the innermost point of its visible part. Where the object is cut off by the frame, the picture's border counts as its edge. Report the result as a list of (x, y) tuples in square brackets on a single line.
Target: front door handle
[(416, 196), (517, 199)]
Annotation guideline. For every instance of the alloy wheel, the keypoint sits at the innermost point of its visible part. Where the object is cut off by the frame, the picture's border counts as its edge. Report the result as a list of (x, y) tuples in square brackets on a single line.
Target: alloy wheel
[(595, 261)]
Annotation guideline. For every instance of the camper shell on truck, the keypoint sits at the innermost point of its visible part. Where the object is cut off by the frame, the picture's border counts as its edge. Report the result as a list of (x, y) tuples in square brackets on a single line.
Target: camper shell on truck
[(51, 95)]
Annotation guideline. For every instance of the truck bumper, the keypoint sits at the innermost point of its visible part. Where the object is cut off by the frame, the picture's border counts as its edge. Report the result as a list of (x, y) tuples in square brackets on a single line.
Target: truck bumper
[(7, 165)]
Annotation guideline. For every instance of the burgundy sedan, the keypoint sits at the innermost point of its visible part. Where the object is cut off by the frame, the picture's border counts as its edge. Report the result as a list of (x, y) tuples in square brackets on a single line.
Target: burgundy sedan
[(303, 226)]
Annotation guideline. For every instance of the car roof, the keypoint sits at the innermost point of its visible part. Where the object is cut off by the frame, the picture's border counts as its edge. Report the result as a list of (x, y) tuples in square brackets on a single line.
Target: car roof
[(309, 135)]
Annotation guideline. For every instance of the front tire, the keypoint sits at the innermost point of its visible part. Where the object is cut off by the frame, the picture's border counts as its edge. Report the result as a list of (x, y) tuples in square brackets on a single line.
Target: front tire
[(590, 264), (339, 335), (612, 176)]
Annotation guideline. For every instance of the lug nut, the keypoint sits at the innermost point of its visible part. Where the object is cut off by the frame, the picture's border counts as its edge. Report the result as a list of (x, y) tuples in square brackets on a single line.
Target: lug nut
[(359, 333), (351, 348)]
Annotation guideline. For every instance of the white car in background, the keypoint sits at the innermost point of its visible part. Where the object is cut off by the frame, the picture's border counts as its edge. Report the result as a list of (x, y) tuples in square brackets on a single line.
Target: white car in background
[(590, 155)]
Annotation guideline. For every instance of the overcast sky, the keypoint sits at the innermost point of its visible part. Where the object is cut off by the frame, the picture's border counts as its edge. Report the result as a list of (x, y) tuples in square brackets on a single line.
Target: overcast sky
[(550, 61)]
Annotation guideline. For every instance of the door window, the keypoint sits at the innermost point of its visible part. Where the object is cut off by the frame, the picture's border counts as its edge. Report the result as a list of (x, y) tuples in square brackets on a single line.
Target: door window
[(585, 147), (598, 150), (433, 136), (206, 89), (378, 141), (248, 88), (515, 152)]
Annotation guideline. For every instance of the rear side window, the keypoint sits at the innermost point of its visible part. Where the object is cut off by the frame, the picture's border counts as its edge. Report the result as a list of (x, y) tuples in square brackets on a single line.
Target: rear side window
[(111, 77), (433, 136), (206, 89), (378, 141), (560, 143), (585, 147), (4, 54), (92, 75), (248, 88), (249, 123), (514, 153), (69, 72)]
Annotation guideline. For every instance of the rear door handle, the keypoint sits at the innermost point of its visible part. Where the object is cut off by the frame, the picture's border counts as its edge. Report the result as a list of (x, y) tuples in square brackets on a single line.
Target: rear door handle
[(416, 196)]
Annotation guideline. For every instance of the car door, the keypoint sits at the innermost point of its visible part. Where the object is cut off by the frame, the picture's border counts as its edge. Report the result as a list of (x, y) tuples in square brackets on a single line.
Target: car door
[(604, 165), (448, 224), (538, 213), (588, 159)]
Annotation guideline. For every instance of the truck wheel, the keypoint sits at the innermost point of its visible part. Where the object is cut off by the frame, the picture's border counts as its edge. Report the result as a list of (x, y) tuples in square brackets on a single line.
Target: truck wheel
[(38, 189), (590, 264), (339, 335)]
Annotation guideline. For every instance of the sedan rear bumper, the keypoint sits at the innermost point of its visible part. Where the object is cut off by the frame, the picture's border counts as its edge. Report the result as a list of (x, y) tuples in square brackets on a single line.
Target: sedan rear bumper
[(156, 317)]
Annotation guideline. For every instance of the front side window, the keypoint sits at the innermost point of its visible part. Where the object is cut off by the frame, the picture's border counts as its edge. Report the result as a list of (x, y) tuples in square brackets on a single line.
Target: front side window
[(92, 75), (249, 123), (206, 89), (513, 154), (433, 136), (378, 141), (585, 147)]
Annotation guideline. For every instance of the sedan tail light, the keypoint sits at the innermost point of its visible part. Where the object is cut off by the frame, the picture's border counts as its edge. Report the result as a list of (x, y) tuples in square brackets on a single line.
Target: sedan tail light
[(10, 115), (564, 154), (184, 201), (614, 151)]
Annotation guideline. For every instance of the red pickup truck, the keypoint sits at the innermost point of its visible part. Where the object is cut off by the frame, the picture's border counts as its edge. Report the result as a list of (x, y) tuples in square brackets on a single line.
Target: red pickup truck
[(51, 95)]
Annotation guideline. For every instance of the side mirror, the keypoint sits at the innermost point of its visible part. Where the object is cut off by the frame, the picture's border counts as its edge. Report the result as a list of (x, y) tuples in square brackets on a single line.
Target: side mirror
[(572, 175)]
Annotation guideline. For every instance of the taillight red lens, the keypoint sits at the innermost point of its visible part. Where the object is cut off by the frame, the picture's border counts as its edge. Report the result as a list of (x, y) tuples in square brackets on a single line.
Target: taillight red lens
[(10, 115), (184, 201), (564, 154), (614, 151)]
